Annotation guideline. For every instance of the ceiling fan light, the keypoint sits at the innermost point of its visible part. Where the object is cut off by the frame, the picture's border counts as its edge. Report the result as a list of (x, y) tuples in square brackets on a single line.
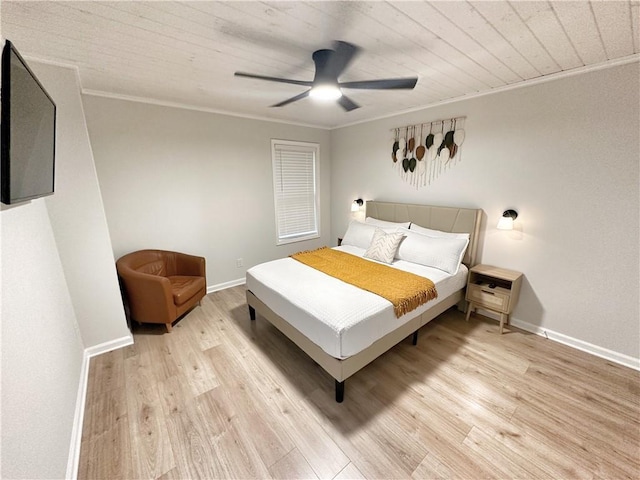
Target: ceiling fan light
[(325, 92)]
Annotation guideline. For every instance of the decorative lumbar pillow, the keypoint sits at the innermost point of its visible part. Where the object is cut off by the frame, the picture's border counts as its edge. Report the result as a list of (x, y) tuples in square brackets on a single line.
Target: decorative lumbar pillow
[(384, 245), (385, 223), (443, 253)]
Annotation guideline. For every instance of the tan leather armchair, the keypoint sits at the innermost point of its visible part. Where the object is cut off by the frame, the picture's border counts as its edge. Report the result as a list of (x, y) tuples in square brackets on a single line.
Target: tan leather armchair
[(161, 286)]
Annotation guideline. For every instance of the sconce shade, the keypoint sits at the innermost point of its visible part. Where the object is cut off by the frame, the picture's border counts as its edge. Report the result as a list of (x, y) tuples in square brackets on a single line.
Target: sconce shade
[(506, 221), (355, 206)]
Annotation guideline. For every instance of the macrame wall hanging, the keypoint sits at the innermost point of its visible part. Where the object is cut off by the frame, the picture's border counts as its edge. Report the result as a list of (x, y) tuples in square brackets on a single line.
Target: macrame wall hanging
[(423, 152)]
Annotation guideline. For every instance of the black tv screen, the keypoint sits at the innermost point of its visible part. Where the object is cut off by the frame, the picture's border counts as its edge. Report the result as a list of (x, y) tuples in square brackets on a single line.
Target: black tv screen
[(27, 132)]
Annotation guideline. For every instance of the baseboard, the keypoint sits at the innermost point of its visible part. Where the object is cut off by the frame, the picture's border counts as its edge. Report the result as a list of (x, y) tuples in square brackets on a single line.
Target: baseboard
[(229, 284), (601, 352), (615, 357), (108, 346), (78, 418)]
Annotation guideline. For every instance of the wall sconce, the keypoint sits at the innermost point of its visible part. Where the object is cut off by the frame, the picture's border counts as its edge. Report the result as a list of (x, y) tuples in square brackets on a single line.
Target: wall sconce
[(506, 221), (355, 206)]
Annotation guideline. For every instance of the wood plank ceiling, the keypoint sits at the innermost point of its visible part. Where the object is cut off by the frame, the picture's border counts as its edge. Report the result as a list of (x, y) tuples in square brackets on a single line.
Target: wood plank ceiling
[(186, 52)]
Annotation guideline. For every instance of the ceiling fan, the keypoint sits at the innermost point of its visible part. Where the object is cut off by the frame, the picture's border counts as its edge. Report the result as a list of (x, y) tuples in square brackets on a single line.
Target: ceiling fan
[(325, 85)]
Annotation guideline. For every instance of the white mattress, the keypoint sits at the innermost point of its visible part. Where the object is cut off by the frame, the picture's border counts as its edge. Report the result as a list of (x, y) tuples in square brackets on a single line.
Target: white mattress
[(338, 317)]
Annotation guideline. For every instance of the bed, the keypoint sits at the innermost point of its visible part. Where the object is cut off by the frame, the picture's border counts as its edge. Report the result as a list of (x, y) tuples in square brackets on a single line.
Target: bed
[(355, 327)]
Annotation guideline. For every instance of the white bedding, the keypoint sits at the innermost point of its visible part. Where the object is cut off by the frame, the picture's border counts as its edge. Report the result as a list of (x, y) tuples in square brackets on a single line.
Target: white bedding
[(350, 319)]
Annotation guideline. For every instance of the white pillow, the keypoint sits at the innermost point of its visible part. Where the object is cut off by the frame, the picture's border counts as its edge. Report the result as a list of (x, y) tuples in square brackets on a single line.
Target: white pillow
[(437, 233), (384, 245), (360, 234), (443, 253), (385, 224)]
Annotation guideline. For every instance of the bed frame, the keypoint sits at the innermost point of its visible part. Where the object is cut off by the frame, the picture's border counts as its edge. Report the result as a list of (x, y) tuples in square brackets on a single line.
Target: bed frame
[(448, 219)]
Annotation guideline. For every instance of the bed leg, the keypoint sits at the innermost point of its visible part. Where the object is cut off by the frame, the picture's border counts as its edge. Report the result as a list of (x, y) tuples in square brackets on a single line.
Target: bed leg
[(339, 391), (252, 313), (415, 337)]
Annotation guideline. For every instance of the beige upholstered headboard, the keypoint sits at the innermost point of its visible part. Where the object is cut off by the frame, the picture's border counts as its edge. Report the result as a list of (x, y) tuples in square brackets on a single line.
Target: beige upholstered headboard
[(447, 219)]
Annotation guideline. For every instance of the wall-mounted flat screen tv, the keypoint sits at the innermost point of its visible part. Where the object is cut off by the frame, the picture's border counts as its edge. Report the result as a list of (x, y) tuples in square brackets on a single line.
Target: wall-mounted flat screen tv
[(27, 132)]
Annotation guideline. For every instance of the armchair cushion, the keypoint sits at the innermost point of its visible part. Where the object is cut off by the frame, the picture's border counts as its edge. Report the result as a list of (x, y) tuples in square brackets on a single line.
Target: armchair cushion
[(184, 287)]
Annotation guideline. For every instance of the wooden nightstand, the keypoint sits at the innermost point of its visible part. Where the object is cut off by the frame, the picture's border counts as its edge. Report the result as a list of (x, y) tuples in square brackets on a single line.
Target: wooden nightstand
[(495, 289)]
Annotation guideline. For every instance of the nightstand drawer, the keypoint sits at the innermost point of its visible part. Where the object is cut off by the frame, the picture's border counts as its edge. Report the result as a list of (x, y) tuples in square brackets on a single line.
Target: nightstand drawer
[(489, 298)]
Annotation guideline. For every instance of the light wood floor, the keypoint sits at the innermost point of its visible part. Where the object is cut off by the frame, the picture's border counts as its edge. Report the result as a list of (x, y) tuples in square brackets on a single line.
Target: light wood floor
[(223, 397)]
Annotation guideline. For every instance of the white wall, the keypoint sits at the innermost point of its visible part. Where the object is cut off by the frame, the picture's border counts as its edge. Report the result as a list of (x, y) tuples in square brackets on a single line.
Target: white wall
[(78, 218), (565, 154), (41, 347), (59, 297), (195, 182)]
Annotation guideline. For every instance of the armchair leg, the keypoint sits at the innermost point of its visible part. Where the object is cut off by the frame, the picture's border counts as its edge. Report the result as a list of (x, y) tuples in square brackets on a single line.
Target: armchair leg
[(168, 327)]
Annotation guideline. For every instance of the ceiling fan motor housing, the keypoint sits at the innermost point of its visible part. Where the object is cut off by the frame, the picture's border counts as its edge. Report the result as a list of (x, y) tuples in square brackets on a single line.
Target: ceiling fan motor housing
[(323, 74)]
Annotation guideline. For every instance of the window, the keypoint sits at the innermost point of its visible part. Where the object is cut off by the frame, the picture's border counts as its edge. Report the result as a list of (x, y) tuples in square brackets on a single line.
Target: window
[(296, 192)]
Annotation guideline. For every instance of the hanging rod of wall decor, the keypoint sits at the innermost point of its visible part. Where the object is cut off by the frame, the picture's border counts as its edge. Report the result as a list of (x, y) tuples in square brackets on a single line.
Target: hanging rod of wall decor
[(412, 125)]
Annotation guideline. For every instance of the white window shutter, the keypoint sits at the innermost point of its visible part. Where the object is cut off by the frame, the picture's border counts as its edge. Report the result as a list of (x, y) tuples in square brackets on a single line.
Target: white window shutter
[(296, 196)]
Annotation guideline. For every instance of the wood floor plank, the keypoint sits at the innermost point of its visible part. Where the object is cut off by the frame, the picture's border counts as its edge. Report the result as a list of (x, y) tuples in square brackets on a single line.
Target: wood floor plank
[(292, 465), (350, 472), (552, 454), (175, 394), (371, 452), (106, 373), (150, 447), (155, 354), (108, 454), (600, 394), (105, 412), (581, 439), (507, 462), (574, 407), (432, 468), (414, 407), (192, 435), (202, 325), (225, 397), (192, 363), (254, 414), (206, 443), (235, 449), (486, 394), (314, 443)]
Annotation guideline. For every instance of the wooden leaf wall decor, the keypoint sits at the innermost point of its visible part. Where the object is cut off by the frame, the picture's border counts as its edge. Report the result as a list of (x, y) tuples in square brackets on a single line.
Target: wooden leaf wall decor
[(421, 153)]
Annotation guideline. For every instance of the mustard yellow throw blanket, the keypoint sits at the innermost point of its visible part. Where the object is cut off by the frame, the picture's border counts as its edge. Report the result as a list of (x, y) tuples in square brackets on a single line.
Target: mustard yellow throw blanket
[(406, 291)]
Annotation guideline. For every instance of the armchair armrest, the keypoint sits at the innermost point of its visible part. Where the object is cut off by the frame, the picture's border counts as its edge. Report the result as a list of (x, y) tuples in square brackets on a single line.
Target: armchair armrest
[(191, 265), (150, 297)]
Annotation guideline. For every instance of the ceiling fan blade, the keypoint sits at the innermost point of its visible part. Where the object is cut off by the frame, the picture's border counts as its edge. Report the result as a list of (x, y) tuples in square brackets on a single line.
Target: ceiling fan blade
[(343, 54), (274, 79), (329, 66), (292, 99), (384, 84), (347, 103)]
